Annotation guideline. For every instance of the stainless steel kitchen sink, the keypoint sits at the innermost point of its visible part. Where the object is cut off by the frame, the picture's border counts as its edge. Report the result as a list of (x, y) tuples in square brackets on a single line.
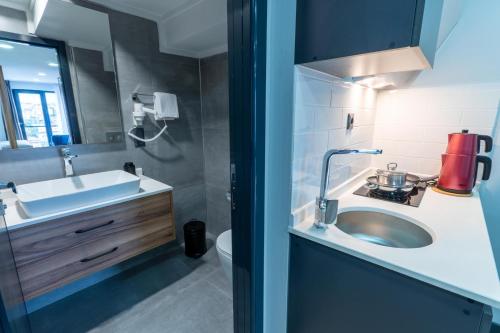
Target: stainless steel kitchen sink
[(383, 229)]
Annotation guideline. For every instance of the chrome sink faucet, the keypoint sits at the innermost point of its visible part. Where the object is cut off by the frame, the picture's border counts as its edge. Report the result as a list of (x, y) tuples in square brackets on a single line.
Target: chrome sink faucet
[(10, 185), (326, 210), (68, 161)]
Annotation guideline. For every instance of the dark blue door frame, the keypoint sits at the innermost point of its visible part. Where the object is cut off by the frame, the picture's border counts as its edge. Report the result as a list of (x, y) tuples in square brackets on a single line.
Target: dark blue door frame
[(45, 110), (247, 112)]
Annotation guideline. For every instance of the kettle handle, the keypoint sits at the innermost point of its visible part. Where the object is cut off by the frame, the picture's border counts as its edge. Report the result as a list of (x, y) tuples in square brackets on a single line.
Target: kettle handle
[(488, 140), (486, 161)]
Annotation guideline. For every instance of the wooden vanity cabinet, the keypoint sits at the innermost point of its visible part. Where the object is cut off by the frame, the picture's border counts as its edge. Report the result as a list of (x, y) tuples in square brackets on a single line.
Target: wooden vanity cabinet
[(51, 254), (330, 291)]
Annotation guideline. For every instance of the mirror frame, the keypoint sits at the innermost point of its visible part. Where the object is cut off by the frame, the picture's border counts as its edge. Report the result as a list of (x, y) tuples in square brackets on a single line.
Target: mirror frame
[(64, 71)]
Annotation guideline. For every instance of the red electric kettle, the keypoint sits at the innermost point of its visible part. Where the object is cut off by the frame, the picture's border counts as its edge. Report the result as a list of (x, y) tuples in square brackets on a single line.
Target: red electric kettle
[(460, 163)]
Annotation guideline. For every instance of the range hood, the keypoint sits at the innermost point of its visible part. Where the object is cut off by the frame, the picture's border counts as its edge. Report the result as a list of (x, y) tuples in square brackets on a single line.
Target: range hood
[(363, 38)]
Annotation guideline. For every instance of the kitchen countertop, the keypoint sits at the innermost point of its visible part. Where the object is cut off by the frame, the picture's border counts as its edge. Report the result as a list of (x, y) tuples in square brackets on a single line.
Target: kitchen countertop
[(459, 260), (15, 217)]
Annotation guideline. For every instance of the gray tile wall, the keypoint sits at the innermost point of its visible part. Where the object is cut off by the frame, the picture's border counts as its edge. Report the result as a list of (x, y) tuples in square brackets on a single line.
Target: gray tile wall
[(215, 115), (176, 158)]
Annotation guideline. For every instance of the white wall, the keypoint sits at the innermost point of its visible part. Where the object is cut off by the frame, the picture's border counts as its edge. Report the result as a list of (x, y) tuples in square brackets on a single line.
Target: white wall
[(199, 31), (321, 105), (470, 54), (490, 194), (279, 127), (12, 20)]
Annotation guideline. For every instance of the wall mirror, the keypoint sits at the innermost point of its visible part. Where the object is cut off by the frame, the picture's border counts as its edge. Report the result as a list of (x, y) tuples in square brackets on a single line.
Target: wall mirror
[(59, 84)]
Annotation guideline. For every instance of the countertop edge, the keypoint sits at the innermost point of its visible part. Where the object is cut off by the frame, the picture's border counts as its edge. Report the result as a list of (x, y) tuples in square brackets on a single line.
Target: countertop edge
[(301, 221), (398, 269), (14, 221)]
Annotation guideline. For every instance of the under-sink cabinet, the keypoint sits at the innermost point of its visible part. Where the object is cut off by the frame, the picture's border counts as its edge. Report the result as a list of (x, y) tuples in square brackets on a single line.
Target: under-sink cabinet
[(53, 253), (330, 291)]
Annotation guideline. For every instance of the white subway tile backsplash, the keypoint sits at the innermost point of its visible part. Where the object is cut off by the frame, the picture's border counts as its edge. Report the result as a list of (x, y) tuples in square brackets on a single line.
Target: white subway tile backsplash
[(413, 124), (310, 144), (302, 194), (310, 91), (438, 134), (388, 147), (321, 106), (483, 131), (433, 150), (383, 132), (360, 134), (365, 117), (338, 175), (478, 118), (337, 139), (303, 118), (429, 166), (353, 96), (442, 117), (404, 163), (410, 125), (340, 98), (328, 118), (485, 96)]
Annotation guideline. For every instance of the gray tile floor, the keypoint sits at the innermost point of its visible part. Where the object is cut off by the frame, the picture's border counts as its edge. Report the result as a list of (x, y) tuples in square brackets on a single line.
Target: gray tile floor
[(166, 293)]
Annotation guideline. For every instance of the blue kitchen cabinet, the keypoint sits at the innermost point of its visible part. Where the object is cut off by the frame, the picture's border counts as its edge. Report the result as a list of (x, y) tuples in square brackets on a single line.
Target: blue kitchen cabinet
[(330, 291), (353, 38)]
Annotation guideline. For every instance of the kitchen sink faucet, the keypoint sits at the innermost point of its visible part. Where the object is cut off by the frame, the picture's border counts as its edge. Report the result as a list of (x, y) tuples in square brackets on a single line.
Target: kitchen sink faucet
[(68, 161), (326, 210)]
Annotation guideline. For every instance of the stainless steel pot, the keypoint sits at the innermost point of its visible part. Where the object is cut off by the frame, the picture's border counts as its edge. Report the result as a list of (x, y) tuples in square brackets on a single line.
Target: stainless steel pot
[(373, 184), (392, 177)]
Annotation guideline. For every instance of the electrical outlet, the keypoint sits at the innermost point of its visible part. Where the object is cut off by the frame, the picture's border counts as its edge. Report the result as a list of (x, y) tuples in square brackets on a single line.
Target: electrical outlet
[(350, 121), (114, 137)]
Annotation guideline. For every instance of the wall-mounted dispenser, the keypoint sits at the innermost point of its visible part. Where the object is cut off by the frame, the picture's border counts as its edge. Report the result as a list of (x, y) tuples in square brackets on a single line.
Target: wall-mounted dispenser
[(165, 108)]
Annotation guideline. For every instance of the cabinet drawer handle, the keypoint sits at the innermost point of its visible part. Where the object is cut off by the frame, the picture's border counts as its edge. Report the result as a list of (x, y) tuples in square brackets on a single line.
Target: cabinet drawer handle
[(81, 231), (99, 255)]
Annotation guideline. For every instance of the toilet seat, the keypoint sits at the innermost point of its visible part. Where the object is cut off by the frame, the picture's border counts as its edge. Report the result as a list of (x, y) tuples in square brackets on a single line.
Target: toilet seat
[(224, 244), (224, 251)]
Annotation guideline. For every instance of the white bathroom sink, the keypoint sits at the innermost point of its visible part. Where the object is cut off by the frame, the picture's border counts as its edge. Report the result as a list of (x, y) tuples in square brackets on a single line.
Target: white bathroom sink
[(52, 196)]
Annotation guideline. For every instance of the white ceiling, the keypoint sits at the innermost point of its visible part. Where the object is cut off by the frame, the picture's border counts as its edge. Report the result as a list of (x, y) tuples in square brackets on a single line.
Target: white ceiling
[(24, 62), (195, 28), (78, 27), (16, 4), (155, 10)]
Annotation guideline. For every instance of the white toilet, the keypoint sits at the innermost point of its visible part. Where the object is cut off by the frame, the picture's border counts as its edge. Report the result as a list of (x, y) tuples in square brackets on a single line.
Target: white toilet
[(224, 250)]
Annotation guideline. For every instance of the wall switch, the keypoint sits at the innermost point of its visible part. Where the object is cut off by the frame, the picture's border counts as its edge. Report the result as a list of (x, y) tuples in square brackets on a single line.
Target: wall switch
[(350, 121)]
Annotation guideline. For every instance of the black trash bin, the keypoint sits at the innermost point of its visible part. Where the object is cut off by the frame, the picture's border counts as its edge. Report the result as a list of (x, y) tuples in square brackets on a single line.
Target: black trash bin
[(195, 239)]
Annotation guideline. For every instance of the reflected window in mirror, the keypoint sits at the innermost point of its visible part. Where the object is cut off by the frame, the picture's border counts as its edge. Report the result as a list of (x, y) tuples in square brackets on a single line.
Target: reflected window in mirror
[(4, 139), (38, 101), (61, 86)]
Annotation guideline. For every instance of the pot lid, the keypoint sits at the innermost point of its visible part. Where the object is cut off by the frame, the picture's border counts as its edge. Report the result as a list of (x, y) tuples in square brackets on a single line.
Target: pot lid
[(391, 170)]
